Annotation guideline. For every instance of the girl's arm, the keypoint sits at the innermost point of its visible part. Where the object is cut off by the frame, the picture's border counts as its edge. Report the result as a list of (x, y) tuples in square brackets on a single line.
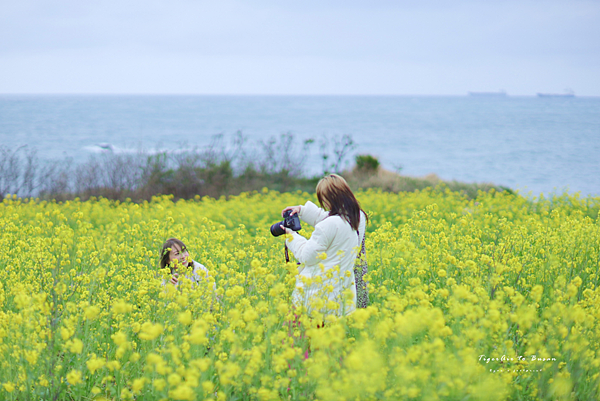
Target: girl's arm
[(308, 251), (312, 214)]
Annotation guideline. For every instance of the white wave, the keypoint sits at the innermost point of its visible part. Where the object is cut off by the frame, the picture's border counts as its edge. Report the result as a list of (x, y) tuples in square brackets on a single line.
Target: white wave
[(108, 148)]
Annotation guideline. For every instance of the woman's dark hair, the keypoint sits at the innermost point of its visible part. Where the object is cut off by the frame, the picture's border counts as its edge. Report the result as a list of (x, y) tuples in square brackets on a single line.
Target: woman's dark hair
[(165, 254), (335, 195)]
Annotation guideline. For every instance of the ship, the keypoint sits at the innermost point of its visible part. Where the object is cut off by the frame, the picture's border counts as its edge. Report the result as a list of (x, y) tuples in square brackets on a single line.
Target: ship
[(488, 94), (568, 93)]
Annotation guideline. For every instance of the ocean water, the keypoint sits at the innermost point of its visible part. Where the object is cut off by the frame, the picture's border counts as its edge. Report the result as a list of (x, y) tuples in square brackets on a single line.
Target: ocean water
[(537, 145)]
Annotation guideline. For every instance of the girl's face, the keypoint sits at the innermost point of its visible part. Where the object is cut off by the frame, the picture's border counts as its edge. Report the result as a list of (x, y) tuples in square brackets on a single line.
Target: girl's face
[(178, 257)]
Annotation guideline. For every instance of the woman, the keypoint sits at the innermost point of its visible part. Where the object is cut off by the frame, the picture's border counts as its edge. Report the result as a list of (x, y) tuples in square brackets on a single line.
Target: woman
[(175, 254), (326, 278)]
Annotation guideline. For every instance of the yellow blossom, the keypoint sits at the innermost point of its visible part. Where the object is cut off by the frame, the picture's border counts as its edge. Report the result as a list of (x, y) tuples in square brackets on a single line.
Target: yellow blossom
[(74, 377)]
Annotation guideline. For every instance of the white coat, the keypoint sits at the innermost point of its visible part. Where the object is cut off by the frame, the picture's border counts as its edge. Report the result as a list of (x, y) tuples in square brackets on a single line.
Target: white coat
[(199, 273), (320, 285), (198, 269)]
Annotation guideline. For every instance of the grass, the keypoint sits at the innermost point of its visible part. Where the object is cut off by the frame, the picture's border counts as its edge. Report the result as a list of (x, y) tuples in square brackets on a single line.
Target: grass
[(215, 171)]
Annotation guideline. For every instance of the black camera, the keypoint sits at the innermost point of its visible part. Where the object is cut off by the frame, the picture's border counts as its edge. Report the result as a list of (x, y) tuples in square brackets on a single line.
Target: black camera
[(291, 222)]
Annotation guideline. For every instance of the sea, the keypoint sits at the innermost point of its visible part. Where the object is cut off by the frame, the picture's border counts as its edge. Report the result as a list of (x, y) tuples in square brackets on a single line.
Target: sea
[(530, 144)]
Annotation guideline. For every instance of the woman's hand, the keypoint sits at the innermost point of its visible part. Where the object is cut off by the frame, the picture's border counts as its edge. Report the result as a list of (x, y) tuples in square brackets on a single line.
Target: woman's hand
[(287, 230), (294, 210), (174, 278)]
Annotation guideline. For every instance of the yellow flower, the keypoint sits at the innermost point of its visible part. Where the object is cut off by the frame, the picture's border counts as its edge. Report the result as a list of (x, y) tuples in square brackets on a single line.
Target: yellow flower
[(174, 379), (113, 365), (121, 306), (202, 364), (75, 346), (94, 363), (182, 392), (74, 377), (185, 317), (43, 381), (282, 309), (572, 290), (66, 332), (250, 315), (150, 331), (207, 387), (159, 384), (126, 394), (536, 293), (92, 312), (332, 305), (198, 333), (119, 338), (446, 283)]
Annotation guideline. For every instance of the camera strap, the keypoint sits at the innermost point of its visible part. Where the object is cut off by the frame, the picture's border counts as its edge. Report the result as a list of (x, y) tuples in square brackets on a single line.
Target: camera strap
[(287, 255)]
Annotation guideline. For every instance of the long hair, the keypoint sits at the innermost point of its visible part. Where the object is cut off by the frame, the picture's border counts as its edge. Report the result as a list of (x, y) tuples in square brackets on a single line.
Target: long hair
[(165, 254), (335, 195)]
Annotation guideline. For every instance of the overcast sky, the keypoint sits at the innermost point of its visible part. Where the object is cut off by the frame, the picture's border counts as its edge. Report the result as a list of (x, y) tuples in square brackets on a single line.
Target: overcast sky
[(303, 47)]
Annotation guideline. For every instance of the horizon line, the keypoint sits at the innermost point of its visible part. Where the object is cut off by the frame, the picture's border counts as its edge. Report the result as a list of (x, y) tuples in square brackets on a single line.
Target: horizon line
[(466, 94)]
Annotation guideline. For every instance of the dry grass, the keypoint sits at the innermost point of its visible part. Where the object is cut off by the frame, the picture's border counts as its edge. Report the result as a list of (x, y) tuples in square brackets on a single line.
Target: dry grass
[(216, 171), (390, 181)]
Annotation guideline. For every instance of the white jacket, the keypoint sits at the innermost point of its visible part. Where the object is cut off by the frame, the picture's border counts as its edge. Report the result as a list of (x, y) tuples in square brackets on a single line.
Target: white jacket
[(198, 271), (333, 244)]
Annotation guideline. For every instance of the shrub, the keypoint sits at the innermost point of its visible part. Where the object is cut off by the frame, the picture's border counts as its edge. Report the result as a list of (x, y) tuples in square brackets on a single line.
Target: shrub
[(367, 163)]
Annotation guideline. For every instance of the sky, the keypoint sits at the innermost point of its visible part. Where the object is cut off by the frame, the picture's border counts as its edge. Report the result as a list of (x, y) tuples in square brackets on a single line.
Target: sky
[(309, 47)]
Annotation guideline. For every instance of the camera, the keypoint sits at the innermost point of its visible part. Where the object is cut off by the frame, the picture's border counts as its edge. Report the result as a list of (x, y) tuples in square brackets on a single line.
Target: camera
[(291, 222)]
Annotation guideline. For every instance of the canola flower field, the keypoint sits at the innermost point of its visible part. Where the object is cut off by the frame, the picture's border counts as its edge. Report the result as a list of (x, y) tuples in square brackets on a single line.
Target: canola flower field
[(489, 299)]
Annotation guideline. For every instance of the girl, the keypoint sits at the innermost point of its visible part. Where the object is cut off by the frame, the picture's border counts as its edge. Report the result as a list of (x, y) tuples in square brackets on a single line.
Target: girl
[(326, 281), (175, 254)]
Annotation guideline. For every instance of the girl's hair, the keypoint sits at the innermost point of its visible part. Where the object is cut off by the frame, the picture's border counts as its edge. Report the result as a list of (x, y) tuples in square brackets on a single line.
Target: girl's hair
[(165, 254), (335, 195)]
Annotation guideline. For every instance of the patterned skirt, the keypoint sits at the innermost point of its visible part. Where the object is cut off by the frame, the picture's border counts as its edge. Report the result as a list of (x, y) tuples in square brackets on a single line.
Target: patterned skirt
[(360, 269)]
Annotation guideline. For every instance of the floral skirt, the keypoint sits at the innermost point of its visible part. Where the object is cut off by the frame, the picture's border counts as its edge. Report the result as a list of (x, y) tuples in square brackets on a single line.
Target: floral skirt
[(360, 269)]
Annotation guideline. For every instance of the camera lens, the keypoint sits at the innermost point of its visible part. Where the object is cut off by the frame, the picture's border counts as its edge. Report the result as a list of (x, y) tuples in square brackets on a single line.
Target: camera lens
[(276, 229)]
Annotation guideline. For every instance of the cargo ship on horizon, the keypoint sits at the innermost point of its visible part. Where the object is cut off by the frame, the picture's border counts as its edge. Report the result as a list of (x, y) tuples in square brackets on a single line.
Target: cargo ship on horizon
[(488, 94), (568, 93)]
